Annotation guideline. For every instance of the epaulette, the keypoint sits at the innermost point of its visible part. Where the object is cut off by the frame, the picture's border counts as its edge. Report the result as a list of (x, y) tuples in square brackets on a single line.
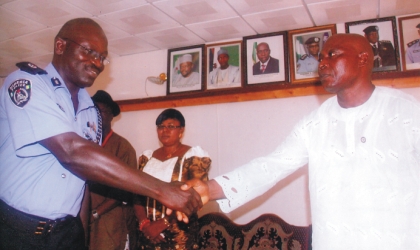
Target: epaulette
[(413, 42), (31, 68), (303, 57)]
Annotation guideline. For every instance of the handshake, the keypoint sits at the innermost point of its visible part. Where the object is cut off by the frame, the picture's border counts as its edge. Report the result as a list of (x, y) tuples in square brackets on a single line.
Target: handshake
[(207, 190)]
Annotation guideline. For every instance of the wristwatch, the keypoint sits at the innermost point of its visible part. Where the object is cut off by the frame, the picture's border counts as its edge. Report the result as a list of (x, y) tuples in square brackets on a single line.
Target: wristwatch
[(95, 214)]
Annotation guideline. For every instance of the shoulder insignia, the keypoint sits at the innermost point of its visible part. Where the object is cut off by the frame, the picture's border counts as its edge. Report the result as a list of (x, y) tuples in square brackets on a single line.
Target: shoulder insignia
[(31, 68), (55, 82), (385, 41), (303, 57), (413, 42), (20, 92)]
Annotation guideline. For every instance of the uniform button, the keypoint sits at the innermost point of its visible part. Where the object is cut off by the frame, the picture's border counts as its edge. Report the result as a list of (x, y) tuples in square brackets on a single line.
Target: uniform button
[(363, 139), (75, 118), (63, 176)]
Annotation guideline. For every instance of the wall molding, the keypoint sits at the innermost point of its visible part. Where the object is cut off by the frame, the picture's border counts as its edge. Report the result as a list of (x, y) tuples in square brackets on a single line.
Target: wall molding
[(409, 79)]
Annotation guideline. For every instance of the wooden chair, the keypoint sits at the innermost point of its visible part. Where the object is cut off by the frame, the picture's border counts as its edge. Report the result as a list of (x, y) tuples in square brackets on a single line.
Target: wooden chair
[(268, 231)]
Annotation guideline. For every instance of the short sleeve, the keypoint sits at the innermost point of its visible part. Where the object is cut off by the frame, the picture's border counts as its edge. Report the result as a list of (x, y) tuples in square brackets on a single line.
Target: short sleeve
[(39, 119)]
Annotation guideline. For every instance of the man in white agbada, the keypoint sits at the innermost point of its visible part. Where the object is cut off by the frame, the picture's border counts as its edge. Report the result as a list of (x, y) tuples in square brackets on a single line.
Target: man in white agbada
[(188, 77), (362, 148), (226, 74)]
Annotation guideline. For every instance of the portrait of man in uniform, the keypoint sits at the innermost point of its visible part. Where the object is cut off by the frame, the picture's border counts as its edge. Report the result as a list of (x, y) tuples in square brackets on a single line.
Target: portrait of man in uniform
[(412, 55), (410, 41), (382, 37), (309, 62), (305, 46), (383, 50)]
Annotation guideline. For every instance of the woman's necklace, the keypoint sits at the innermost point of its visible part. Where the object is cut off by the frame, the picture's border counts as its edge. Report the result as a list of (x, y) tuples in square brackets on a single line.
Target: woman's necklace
[(173, 152)]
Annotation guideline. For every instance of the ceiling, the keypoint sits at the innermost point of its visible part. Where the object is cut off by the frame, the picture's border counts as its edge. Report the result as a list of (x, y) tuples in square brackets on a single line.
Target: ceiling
[(28, 27)]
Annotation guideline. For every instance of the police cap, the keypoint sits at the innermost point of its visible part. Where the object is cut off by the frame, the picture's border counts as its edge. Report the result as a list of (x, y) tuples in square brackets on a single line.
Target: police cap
[(313, 39), (369, 29)]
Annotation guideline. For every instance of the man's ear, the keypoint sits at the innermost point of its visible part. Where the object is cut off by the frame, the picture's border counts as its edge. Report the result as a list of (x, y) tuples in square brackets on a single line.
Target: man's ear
[(363, 59), (59, 46)]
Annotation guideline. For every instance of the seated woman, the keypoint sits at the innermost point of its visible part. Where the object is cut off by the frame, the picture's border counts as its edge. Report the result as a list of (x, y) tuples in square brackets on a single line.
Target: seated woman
[(173, 161)]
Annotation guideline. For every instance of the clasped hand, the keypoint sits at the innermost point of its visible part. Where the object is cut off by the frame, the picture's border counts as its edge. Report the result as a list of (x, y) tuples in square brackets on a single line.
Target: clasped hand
[(201, 187)]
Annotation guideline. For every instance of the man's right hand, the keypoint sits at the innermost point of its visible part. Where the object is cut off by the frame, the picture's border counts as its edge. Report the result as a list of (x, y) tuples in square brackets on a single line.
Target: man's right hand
[(200, 186), (187, 201)]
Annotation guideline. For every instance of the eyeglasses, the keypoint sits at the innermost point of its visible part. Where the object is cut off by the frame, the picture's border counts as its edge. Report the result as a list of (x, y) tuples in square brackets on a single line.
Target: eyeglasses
[(169, 127), (90, 52)]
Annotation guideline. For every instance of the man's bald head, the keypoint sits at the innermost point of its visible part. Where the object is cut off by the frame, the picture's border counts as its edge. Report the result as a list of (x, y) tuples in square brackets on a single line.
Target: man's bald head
[(78, 27), (355, 43)]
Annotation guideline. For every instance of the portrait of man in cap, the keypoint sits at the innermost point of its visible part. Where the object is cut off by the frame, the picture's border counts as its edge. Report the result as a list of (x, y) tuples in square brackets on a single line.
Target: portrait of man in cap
[(186, 76), (309, 62), (383, 50), (305, 46), (222, 73), (412, 55), (409, 33)]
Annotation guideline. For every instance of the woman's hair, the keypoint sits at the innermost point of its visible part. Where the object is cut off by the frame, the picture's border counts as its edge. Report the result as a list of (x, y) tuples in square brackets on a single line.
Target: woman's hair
[(170, 114)]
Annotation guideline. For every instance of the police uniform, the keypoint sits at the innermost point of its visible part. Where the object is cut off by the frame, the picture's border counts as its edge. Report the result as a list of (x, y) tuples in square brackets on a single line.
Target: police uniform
[(384, 53), (412, 55), (307, 63), (413, 52), (35, 104)]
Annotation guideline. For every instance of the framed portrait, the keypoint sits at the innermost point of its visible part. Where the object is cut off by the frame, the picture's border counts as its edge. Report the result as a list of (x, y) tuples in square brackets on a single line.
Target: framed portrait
[(410, 41), (305, 45), (224, 65), (266, 60), (185, 69), (382, 35)]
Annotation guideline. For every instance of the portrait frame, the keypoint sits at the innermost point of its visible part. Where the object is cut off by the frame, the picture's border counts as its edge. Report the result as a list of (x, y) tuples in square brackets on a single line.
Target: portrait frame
[(406, 26), (277, 42), (305, 66), (175, 82), (387, 31), (214, 78)]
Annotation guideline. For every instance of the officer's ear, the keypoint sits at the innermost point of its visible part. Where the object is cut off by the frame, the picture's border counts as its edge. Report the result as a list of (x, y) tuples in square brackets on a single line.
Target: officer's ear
[(59, 46)]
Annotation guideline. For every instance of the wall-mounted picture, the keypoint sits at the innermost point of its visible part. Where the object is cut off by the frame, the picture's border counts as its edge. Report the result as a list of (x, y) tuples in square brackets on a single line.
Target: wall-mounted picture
[(410, 41), (223, 65), (185, 69), (305, 45), (266, 60), (382, 35)]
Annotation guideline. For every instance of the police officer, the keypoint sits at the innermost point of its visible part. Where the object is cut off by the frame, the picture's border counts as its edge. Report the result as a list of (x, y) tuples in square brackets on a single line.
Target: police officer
[(49, 138), (384, 52), (412, 55), (309, 62)]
